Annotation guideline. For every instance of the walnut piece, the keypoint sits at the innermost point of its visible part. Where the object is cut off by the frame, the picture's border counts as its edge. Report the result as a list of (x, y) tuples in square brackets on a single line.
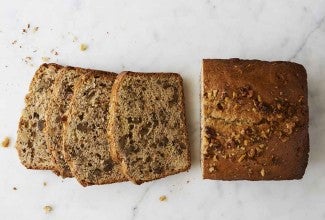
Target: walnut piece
[(83, 47), (262, 172), (5, 142), (241, 158), (47, 209), (163, 198)]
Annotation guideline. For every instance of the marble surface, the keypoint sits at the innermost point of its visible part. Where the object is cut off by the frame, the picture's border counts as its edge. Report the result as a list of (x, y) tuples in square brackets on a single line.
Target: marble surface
[(168, 35)]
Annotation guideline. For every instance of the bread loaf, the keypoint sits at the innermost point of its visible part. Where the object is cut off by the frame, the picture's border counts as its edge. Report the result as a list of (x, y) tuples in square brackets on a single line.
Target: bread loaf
[(254, 122)]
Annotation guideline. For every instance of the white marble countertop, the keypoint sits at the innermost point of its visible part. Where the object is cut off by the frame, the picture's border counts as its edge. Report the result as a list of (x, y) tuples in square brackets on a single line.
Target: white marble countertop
[(168, 35)]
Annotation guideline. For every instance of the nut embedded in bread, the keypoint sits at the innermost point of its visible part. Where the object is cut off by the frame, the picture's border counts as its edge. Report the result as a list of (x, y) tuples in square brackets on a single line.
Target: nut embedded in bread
[(31, 143), (85, 144), (254, 122), (147, 126)]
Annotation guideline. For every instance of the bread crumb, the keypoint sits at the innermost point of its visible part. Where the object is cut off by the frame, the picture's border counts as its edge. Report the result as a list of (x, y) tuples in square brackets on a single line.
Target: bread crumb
[(14, 42), (163, 198), (46, 59), (83, 47), (54, 52), (28, 60), (5, 142), (35, 29), (14, 188), (47, 209), (44, 184)]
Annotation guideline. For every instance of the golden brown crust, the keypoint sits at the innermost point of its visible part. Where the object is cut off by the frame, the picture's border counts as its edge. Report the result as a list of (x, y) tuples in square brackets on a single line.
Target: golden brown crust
[(112, 132), (254, 120), (110, 128)]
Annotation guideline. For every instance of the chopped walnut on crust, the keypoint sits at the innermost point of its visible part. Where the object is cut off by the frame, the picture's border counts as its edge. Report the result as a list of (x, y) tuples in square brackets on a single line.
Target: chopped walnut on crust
[(254, 121)]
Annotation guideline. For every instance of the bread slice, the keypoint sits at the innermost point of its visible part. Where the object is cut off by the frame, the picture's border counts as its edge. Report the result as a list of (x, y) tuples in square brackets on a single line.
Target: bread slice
[(148, 129), (62, 93), (85, 144), (31, 143), (254, 120)]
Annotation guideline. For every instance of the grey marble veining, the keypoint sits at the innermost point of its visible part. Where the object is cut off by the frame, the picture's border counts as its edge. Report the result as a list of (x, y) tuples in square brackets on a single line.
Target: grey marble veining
[(160, 36)]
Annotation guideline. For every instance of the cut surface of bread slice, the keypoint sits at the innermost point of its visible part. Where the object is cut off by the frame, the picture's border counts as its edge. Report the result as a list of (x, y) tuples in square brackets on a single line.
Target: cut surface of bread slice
[(85, 144), (31, 142), (58, 105), (148, 130)]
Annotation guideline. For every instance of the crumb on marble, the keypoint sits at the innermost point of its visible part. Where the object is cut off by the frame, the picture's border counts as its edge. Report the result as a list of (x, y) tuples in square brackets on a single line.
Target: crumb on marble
[(14, 42), (47, 209), (29, 28), (46, 59), (5, 142), (14, 188), (35, 29), (163, 198), (83, 47), (44, 183), (28, 60), (26, 29), (54, 52)]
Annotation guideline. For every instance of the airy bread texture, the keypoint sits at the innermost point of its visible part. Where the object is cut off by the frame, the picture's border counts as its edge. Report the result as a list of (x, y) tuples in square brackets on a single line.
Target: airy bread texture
[(148, 131), (254, 120), (85, 144), (62, 93), (31, 139)]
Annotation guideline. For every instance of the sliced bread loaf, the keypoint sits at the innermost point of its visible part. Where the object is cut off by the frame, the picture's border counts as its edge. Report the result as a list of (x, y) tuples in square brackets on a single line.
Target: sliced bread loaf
[(148, 131), (61, 97), (85, 144), (31, 142)]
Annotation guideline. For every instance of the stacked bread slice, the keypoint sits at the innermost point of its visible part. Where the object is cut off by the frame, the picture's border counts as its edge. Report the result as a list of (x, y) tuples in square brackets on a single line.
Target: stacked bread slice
[(101, 128)]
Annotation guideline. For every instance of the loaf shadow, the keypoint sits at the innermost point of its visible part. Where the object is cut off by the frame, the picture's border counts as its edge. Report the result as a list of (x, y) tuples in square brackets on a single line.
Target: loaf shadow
[(316, 91)]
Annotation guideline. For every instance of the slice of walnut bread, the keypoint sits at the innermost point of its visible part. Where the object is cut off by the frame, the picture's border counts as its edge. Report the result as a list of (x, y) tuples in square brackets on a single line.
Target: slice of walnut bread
[(254, 120), (58, 105), (85, 144), (148, 131), (31, 141)]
